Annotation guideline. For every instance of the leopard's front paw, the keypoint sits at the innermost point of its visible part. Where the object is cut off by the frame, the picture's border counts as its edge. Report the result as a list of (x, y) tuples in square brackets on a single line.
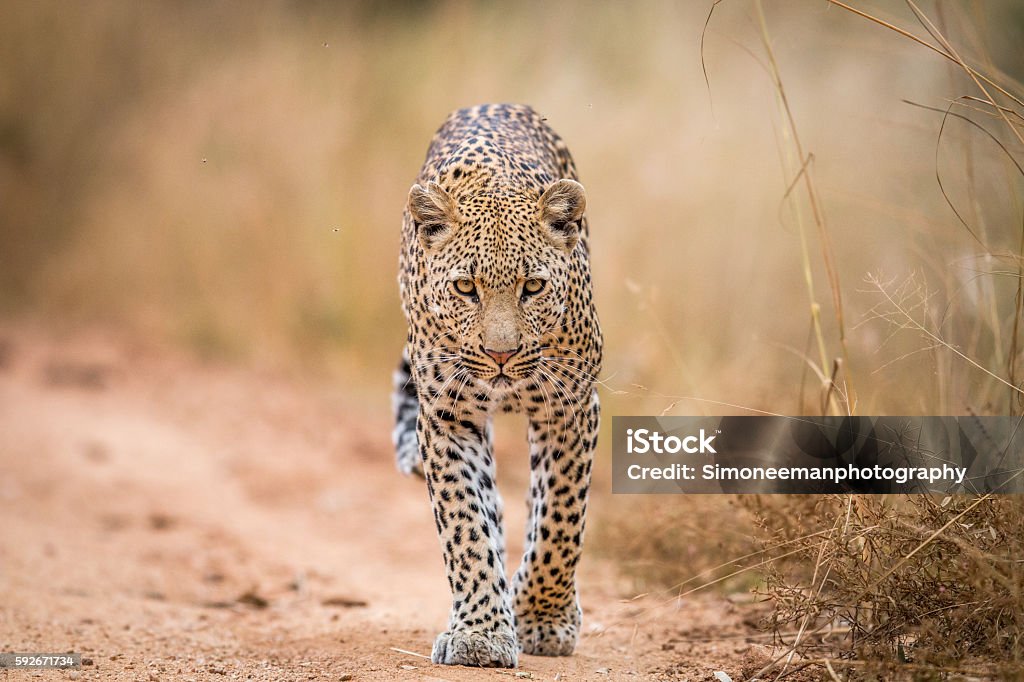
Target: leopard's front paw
[(476, 647), (543, 634)]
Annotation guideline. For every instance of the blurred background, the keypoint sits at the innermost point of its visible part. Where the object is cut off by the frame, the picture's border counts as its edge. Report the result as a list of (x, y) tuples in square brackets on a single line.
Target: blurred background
[(232, 180), (793, 209)]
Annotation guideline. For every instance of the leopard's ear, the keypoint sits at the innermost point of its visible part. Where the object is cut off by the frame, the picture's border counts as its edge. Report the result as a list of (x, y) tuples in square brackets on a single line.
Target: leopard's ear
[(433, 214), (561, 209)]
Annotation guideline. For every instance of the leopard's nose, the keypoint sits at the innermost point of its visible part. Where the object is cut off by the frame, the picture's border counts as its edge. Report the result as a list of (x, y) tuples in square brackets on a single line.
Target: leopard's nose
[(501, 356)]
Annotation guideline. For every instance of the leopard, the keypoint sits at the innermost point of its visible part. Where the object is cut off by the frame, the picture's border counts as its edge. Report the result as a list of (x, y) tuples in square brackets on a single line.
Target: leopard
[(495, 285)]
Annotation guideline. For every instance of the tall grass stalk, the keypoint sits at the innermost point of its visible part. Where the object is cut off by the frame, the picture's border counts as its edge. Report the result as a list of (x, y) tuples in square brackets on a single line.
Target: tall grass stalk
[(997, 102), (804, 174)]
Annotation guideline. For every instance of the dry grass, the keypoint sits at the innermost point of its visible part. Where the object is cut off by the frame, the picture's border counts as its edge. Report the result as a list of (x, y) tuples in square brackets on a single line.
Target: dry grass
[(657, 539), (878, 588), (936, 583)]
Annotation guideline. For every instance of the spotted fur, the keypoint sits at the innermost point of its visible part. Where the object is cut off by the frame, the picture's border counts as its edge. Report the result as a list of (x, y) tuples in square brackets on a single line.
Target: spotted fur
[(496, 209)]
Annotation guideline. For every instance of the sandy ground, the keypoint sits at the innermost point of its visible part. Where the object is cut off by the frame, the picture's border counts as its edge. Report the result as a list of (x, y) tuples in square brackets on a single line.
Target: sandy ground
[(171, 519)]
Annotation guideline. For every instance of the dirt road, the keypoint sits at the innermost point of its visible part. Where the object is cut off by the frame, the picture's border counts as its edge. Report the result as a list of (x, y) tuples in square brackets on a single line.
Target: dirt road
[(171, 519)]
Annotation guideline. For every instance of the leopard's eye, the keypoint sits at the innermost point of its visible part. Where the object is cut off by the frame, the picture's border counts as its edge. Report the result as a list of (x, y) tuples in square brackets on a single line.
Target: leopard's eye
[(465, 287), (532, 287)]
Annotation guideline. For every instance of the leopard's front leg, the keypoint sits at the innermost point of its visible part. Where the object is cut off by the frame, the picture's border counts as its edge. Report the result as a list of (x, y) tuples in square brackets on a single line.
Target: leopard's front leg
[(459, 467), (546, 603)]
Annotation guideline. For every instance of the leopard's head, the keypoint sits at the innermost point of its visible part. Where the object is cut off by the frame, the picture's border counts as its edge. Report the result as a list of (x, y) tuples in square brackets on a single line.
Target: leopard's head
[(497, 265)]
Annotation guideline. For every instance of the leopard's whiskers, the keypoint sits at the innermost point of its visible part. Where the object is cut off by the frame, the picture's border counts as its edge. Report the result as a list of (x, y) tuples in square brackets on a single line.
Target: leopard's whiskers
[(458, 400), (579, 374), (456, 373), (579, 357), (547, 397), (560, 388)]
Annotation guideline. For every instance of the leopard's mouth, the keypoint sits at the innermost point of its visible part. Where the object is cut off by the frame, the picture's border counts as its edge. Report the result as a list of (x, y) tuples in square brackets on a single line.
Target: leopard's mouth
[(507, 376)]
